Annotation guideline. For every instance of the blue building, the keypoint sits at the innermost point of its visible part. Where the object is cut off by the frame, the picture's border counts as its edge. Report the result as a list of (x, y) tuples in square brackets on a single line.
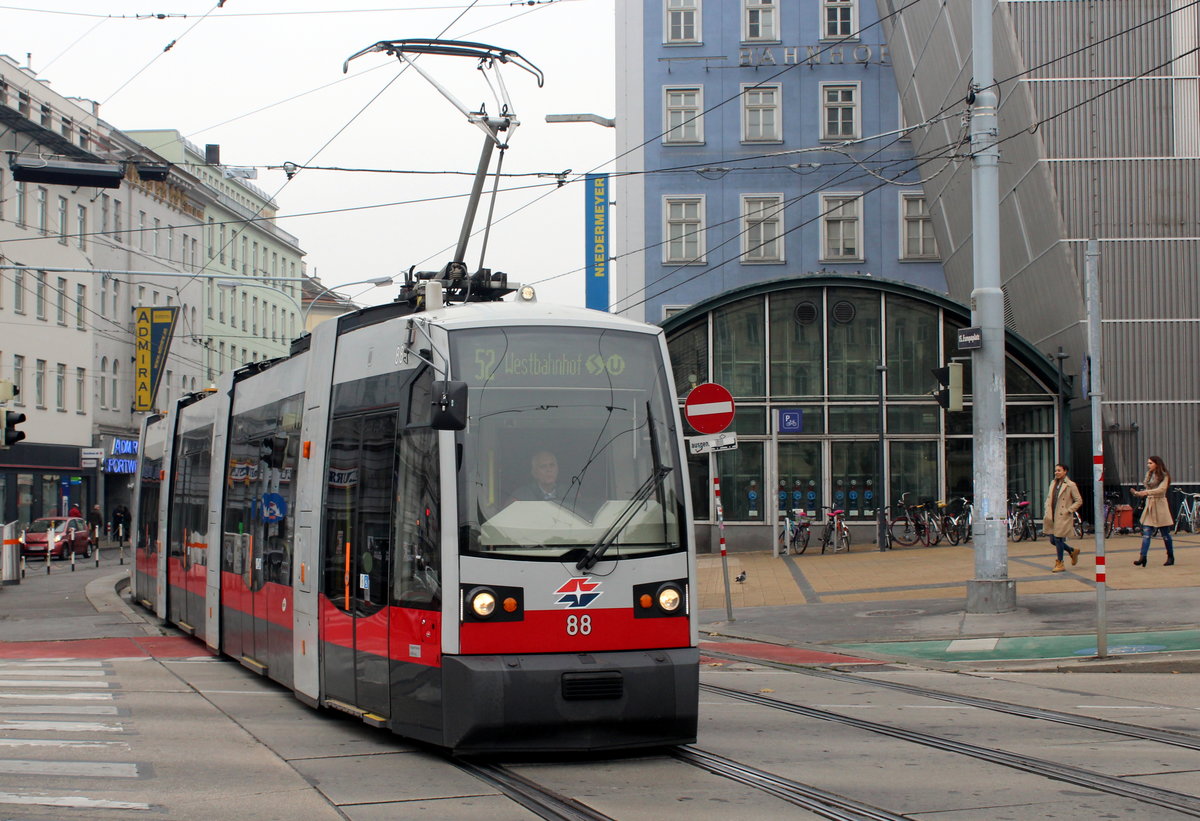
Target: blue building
[(771, 214), (760, 140)]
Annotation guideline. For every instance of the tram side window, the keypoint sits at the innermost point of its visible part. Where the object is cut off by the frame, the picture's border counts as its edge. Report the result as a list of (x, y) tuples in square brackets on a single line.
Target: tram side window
[(418, 535), (358, 501), (239, 478), (147, 533), (189, 508)]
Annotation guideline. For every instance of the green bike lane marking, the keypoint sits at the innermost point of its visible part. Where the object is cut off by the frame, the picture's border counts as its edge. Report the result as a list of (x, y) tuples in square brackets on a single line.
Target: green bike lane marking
[(1032, 647)]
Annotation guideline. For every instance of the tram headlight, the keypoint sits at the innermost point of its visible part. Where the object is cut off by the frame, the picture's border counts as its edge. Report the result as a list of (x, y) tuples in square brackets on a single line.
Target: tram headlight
[(482, 602), (670, 598)]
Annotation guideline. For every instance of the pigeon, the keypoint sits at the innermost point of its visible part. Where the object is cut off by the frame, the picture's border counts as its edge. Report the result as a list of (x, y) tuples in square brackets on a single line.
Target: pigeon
[(741, 577)]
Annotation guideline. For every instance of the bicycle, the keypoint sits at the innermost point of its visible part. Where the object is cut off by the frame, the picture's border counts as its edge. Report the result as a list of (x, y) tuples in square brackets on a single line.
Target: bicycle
[(957, 527), (1189, 510), (1020, 522), (836, 530), (908, 528), (795, 533)]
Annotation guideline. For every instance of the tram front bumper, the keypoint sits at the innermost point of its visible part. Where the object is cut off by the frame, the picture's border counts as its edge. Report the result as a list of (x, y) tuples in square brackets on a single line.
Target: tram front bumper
[(571, 701)]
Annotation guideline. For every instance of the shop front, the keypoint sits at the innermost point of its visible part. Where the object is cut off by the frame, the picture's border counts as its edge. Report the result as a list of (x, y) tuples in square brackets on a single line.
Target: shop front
[(814, 365)]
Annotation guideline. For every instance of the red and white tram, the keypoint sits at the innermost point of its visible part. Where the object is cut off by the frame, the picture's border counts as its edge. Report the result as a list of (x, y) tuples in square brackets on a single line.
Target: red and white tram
[(372, 521)]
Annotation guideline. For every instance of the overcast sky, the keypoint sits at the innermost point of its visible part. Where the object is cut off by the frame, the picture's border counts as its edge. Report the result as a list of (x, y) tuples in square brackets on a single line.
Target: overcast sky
[(267, 85)]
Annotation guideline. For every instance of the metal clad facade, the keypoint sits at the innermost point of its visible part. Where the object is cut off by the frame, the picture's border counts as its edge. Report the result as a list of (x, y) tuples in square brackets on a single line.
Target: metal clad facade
[(1099, 137)]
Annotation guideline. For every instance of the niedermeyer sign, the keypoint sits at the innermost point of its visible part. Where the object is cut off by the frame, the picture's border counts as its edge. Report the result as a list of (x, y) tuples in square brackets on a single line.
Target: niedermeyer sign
[(709, 408)]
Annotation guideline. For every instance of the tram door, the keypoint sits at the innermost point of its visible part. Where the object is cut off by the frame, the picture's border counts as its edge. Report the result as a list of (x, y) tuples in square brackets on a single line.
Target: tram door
[(358, 504)]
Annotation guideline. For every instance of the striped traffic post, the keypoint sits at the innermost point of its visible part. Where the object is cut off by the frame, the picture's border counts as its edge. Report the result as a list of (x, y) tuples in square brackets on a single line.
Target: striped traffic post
[(724, 556)]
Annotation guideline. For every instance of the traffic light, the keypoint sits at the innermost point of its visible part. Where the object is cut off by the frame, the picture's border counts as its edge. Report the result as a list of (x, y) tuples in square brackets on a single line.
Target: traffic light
[(11, 434), (950, 395)]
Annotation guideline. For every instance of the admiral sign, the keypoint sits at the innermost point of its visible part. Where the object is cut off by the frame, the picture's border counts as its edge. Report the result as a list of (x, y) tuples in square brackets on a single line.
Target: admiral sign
[(153, 328)]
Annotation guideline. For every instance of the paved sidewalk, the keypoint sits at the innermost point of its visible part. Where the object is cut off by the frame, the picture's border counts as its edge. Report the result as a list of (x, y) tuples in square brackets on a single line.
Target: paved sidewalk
[(910, 603)]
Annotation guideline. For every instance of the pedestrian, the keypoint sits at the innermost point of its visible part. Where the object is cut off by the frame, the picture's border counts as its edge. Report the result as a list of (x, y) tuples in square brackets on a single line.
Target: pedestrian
[(121, 518), (74, 511), (1157, 512), (95, 523), (1062, 500)]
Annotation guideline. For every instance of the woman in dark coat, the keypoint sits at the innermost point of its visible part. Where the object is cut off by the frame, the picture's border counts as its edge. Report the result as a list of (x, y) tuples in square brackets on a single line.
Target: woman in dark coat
[(1157, 513)]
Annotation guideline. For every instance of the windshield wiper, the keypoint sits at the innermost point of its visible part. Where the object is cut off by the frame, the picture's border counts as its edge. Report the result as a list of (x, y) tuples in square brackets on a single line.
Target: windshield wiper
[(596, 551)]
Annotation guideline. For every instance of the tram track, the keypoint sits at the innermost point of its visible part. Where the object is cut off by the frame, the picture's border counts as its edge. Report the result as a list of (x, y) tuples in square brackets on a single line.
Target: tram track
[(816, 801), (1182, 803), (538, 799), (1136, 731)]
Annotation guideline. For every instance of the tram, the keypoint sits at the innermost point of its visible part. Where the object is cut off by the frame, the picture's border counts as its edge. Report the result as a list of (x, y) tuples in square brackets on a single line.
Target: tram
[(458, 517)]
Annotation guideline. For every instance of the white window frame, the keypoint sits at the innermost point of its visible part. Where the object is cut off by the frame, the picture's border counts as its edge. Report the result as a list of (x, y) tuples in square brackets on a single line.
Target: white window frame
[(682, 8), (855, 105), (758, 210), (678, 117), (758, 11), (839, 210), (839, 6), (924, 226), (752, 105), (670, 256)]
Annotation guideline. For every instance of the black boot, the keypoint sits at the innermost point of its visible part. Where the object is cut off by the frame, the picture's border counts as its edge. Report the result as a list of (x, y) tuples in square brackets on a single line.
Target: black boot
[(1170, 559), (1140, 562)]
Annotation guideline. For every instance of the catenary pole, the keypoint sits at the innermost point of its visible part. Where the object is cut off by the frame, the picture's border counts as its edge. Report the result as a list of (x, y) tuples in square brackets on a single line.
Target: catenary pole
[(991, 591), (1095, 388)]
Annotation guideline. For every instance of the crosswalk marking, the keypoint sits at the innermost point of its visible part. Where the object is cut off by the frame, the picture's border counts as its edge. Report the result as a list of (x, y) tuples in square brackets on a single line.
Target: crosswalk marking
[(60, 726), (41, 683), (90, 769), (56, 696), (63, 743), (74, 801), (58, 710), (4, 665), (64, 672)]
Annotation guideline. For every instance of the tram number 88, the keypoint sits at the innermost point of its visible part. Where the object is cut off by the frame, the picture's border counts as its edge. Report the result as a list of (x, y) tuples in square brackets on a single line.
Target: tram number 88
[(579, 625)]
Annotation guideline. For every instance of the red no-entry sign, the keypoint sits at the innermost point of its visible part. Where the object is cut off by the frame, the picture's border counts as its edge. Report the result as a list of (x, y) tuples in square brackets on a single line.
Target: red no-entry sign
[(709, 408)]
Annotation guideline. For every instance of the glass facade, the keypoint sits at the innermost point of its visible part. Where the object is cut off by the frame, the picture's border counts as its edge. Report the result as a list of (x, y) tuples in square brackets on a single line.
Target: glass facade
[(803, 362)]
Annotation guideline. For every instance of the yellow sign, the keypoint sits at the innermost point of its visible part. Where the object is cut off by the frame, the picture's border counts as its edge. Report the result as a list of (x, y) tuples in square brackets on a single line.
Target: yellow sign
[(153, 329)]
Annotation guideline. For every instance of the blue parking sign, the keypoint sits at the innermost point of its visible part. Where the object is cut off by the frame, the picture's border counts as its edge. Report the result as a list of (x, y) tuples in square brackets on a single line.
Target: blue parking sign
[(791, 420)]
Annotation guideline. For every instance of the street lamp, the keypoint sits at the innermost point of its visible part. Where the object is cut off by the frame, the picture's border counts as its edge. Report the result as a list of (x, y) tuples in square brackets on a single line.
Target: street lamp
[(378, 282)]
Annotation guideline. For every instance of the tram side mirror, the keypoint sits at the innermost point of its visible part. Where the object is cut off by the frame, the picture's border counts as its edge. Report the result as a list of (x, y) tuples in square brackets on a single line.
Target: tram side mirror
[(449, 410)]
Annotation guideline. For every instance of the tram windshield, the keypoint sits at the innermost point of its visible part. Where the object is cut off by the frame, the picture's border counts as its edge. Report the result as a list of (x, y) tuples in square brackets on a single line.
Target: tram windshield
[(569, 446)]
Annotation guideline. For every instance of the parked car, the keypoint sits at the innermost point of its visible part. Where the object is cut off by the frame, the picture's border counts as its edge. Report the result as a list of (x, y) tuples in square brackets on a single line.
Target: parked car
[(62, 534)]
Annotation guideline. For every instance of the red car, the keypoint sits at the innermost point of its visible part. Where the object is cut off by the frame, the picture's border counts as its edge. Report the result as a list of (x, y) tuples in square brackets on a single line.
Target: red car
[(64, 535)]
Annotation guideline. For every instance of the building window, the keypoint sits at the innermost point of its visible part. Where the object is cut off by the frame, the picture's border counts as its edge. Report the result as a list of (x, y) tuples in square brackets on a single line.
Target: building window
[(760, 114), (762, 228), (840, 229), (682, 24), (62, 220), (60, 387), (759, 20), (18, 378), (116, 298), (684, 230), (39, 383), (19, 291), (141, 230), (118, 221), (21, 217), (837, 19), (80, 306), (39, 294), (221, 247), (81, 226), (61, 303), (157, 233), (683, 115), (85, 137), (104, 219), (80, 390), (103, 381), (115, 377), (41, 197), (919, 242), (839, 111)]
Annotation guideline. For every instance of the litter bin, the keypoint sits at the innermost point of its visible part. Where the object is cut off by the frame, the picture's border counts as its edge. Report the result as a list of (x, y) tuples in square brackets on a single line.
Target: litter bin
[(10, 556)]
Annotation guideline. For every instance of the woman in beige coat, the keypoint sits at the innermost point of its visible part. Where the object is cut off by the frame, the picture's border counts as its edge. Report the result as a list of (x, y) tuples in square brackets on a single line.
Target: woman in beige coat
[(1157, 513), (1062, 500)]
